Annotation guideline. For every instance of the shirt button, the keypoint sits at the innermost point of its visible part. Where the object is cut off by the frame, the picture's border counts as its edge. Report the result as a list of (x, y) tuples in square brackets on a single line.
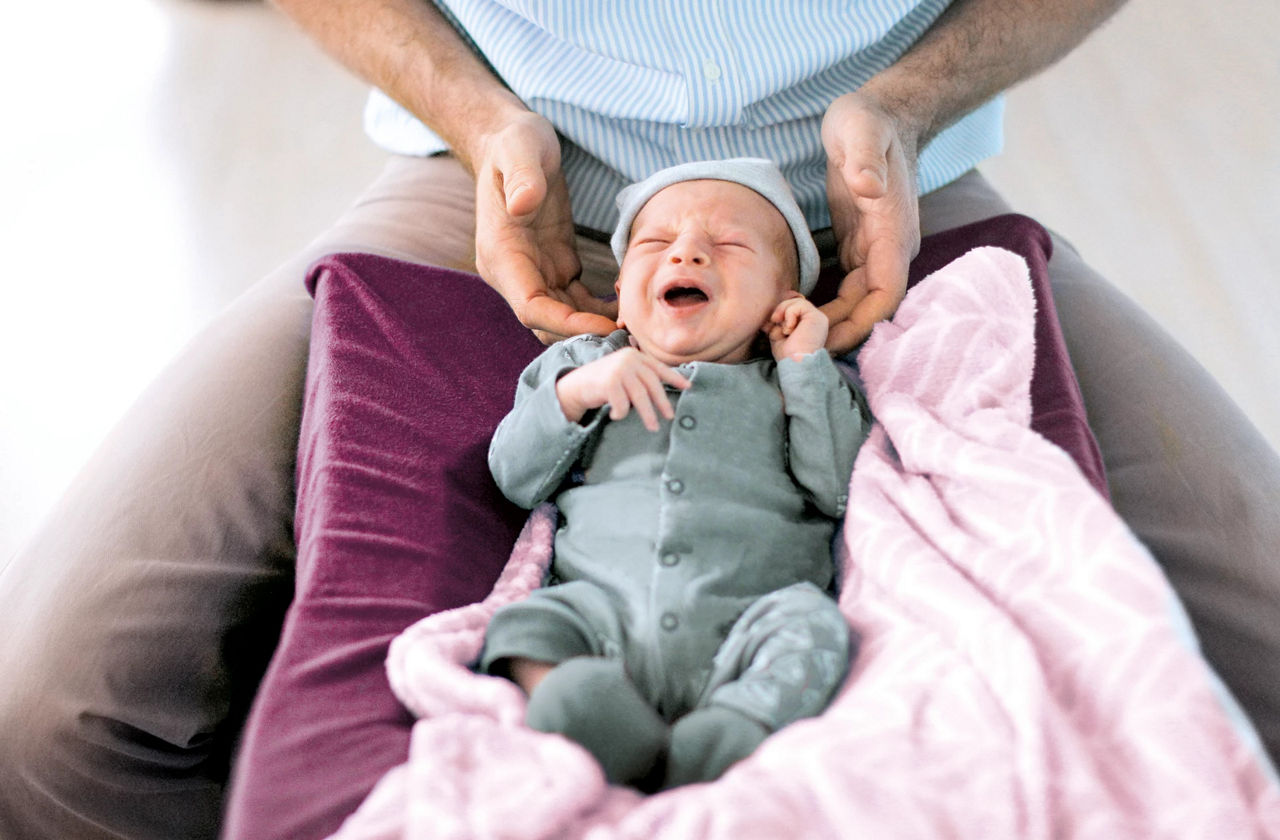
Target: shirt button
[(687, 422), (669, 558), (670, 621), (711, 70), (675, 485)]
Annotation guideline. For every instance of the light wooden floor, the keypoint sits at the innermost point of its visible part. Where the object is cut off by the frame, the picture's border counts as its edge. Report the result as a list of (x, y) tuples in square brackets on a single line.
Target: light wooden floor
[(160, 155)]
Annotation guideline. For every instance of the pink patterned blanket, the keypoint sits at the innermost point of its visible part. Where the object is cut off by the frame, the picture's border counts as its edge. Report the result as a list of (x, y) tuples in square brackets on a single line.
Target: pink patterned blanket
[(1025, 670)]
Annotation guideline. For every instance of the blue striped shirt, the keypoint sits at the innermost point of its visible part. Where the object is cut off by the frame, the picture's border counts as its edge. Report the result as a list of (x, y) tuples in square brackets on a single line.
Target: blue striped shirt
[(710, 79)]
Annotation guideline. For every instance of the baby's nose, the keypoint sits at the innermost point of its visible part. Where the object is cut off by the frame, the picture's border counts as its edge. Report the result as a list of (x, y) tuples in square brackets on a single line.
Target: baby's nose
[(695, 259), (688, 251)]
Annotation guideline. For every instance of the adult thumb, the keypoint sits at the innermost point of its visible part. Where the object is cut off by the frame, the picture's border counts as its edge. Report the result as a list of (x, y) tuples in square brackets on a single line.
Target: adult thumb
[(866, 171), (524, 186)]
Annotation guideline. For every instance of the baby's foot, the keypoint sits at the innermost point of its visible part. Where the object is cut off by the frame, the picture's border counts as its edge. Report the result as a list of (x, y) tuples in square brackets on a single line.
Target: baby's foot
[(706, 742), (593, 702)]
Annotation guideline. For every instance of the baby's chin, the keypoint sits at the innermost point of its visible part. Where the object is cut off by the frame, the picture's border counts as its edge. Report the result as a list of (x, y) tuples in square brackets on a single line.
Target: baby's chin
[(680, 353)]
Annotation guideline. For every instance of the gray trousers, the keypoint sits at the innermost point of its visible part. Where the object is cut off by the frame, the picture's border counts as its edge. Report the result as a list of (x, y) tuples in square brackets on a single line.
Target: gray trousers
[(782, 660), (136, 623)]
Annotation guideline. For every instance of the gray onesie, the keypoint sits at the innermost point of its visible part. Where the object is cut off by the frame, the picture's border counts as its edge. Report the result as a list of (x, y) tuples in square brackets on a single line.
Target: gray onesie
[(699, 554)]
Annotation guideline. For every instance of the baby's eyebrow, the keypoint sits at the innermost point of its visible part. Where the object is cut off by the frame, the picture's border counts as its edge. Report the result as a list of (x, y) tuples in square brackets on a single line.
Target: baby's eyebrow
[(744, 233), (651, 229)]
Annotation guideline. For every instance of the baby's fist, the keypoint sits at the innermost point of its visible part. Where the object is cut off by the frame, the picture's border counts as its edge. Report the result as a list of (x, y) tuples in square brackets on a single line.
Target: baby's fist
[(796, 328)]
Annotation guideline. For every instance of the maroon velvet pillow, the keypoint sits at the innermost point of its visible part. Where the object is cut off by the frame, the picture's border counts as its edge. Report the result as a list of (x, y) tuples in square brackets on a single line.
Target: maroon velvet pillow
[(411, 369)]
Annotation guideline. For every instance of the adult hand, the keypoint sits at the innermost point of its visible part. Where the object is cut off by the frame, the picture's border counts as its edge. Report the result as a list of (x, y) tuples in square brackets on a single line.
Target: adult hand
[(524, 233), (871, 188)]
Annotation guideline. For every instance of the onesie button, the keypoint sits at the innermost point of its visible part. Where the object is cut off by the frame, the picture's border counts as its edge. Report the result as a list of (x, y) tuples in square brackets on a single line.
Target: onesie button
[(669, 558), (711, 70), (675, 485), (687, 422), (670, 621)]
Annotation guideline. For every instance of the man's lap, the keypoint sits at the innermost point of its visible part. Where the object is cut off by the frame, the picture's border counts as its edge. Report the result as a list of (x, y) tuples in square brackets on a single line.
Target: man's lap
[(138, 620), (143, 613)]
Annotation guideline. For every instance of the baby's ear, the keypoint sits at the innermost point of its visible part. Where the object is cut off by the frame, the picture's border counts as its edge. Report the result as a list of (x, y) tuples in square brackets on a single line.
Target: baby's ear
[(617, 291)]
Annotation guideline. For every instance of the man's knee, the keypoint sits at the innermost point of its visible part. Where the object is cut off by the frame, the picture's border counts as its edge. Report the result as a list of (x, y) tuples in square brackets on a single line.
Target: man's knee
[(69, 770), (127, 729)]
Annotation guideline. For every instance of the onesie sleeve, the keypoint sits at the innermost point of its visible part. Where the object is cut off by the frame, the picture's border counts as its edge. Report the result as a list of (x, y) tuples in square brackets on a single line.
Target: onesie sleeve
[(825, 428), (535, 445)]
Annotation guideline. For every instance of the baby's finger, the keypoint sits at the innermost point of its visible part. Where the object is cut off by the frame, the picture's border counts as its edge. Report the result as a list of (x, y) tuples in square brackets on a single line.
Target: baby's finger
[(787, 304), (657, 393), (667, 374), (619, 402), (638, 395), (779, 312), (783, 320), (776, 330), (794, 314)]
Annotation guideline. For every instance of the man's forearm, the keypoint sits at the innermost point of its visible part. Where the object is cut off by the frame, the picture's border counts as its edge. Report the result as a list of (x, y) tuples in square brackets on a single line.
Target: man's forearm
[(408, 50), (977, 49)]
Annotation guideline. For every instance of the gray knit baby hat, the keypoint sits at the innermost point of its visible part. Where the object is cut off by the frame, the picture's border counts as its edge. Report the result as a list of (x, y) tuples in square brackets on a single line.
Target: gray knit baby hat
[(757, 174)]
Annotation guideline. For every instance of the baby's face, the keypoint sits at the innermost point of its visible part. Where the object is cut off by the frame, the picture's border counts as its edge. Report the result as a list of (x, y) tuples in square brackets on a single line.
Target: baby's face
[(705, 266)]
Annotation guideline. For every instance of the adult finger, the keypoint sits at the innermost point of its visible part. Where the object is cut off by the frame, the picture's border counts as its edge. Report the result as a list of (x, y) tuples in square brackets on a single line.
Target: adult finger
[(875, 307), (582, 298), (543, 313), (839, 308), (539, 307)]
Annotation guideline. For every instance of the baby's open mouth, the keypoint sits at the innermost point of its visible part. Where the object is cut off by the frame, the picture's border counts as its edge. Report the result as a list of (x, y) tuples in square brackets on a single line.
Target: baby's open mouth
[(679, 296)]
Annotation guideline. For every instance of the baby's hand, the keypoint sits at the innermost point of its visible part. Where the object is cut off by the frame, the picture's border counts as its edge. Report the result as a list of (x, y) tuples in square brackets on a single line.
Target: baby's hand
[(622, 380), (796, 328)]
